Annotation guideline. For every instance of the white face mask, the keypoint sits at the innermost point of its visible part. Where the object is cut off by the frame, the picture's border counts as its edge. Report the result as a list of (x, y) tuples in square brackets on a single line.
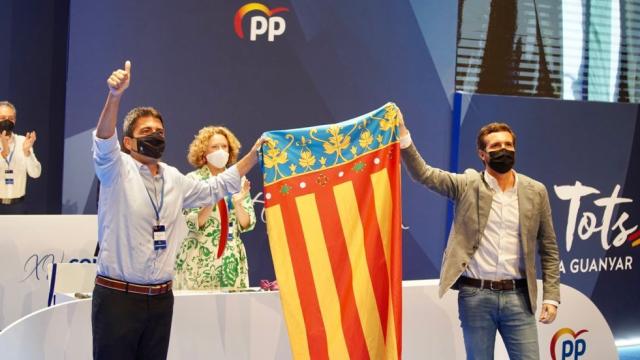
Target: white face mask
[(218, 158)]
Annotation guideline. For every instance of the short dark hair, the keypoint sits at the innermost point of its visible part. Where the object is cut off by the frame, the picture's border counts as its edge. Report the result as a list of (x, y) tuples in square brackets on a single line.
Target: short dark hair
[(137, 113), (493, 128)]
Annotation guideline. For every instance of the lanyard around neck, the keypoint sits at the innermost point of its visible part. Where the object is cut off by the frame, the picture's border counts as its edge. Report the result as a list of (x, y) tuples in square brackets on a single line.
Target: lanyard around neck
[(157, 208), (8, 160)]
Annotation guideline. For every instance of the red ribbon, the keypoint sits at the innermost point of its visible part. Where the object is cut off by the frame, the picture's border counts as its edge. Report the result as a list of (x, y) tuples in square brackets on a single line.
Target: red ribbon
[(224, 226)]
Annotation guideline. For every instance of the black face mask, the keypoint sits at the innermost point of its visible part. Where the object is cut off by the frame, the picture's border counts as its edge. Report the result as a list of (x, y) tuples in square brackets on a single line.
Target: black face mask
[(151, 145), (502, 160), (6, 125)]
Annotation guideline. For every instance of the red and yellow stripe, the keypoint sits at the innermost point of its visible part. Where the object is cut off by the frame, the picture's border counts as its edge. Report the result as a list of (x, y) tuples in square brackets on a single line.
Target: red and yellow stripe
[(335, 240)]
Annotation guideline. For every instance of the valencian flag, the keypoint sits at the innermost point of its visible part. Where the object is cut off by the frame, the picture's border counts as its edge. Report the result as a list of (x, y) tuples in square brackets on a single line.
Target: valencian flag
[(332, 202)]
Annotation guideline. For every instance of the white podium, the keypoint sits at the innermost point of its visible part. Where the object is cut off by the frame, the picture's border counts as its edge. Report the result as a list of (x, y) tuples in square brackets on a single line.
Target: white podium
[(251, 326)]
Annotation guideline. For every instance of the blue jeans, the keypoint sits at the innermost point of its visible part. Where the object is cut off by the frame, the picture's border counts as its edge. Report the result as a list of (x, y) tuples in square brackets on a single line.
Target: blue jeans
[(484, 311)]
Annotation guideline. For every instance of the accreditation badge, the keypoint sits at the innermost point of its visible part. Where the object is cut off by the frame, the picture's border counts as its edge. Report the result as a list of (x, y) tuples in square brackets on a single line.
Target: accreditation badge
[(159, 237), (8, 177)]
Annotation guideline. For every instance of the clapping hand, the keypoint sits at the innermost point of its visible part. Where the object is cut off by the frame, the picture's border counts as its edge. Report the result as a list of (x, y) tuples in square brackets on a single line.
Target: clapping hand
[(29, 139), (4, 141), (245, 187), (5, 136)]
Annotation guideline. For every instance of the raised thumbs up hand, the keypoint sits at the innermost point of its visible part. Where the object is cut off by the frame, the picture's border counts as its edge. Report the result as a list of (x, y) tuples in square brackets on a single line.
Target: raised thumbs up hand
[(119, 80)]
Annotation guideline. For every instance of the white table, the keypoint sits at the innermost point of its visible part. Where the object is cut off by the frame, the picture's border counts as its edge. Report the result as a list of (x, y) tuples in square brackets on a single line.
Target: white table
[(251, 326)]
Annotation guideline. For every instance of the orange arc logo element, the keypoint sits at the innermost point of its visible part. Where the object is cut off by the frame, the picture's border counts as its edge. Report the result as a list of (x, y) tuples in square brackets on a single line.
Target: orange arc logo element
[(237, 21), (558, 334), (634, 238)]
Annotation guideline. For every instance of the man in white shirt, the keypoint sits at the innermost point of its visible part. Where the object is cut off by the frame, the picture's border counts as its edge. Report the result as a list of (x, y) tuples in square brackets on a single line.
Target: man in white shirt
[(140, 227), (17, 161), (502, 219)]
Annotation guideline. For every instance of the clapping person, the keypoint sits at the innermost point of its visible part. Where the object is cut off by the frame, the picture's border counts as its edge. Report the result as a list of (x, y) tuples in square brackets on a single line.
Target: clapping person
[(18, 160)]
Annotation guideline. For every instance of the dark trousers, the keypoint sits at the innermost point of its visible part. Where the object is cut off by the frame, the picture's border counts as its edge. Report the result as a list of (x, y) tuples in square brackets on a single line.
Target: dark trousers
[(19, 208), (130, 326)]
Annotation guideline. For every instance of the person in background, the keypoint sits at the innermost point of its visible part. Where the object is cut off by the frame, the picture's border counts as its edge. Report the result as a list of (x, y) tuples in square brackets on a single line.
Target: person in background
[(204, 261), (18, 160), (140, 226)]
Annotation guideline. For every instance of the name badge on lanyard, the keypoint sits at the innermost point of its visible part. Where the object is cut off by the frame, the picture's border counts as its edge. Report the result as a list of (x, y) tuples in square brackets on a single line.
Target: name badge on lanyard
[(159, 237), (8, 177), (8, 173), (159, 231)]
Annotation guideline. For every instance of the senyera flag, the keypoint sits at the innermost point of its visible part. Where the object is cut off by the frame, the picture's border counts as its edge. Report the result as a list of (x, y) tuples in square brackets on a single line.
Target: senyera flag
[(332, 202)]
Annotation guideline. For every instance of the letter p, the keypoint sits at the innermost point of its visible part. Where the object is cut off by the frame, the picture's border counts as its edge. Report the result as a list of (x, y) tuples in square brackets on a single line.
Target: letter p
[(580, 348), (258, 27), (567, 349), (277, 26)]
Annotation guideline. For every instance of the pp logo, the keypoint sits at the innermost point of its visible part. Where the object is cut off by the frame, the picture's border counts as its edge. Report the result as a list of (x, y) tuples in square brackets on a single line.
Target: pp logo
[(571, 347), (270, 25)]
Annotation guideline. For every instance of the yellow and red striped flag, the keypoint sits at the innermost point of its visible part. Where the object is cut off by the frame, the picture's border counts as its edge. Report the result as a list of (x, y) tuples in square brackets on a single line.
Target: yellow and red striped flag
[(332, 202)]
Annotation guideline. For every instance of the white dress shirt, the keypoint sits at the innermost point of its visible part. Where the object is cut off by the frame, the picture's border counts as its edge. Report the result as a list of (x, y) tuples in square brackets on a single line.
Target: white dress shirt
[(126, 216), (499, 254), (20, 165)]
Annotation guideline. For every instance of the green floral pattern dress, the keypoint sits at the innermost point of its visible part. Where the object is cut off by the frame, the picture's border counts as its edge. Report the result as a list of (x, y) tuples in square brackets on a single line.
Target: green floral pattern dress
[(197, 267)]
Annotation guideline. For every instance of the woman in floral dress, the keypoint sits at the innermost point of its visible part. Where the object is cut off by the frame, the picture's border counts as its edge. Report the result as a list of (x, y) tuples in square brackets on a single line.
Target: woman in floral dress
[(198, 265)]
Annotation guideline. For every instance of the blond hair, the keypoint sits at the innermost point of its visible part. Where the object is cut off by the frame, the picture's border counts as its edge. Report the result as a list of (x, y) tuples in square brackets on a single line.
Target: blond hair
[(200, 144)]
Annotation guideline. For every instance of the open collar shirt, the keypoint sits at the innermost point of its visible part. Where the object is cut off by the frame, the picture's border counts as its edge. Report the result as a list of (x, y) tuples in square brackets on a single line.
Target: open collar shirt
[(126, 215), (499, 254), (20, 166)]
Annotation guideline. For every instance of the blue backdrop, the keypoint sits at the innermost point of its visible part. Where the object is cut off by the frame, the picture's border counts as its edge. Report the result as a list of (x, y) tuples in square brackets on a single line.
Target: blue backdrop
[(335, 60)]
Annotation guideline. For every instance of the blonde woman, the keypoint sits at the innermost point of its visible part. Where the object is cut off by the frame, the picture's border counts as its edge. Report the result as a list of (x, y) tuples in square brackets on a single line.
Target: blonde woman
[(204, 261)]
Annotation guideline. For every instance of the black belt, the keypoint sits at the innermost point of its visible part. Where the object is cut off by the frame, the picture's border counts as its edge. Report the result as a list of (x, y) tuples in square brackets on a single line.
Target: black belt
[(493, 285), (11, 201)]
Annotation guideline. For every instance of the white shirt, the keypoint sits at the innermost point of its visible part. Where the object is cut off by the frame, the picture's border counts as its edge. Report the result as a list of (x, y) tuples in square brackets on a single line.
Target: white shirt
[(126, 215), (20, 165), (499, 254), (486, 262)]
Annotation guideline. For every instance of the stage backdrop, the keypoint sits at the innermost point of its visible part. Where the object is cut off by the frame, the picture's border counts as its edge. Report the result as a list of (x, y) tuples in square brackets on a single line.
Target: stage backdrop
[(200, 63), (587, 154)]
